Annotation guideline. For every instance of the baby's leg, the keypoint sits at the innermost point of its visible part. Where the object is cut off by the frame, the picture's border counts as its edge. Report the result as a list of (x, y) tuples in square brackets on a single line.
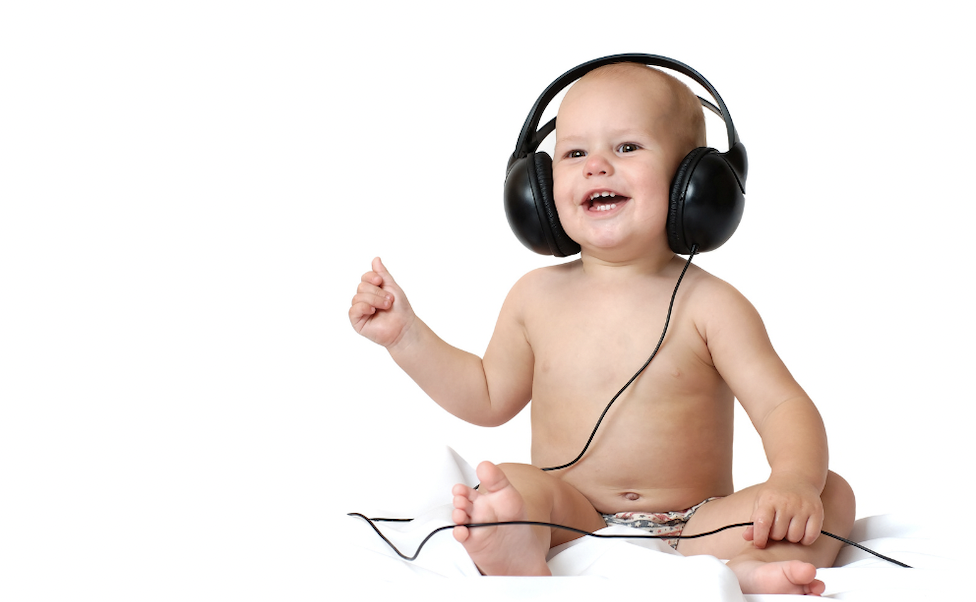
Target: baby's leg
[(781, 567), (518, 492)]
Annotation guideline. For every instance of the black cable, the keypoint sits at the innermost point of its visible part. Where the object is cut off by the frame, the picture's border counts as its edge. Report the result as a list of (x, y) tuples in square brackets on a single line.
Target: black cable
[(586, 533), (866, 549)]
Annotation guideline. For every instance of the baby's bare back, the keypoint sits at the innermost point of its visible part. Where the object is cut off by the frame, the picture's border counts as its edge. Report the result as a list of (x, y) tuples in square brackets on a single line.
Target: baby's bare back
[(666, 444)]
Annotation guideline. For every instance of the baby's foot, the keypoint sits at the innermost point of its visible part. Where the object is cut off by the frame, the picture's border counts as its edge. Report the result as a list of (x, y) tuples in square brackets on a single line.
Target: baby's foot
[(502, 550), (786, 577)]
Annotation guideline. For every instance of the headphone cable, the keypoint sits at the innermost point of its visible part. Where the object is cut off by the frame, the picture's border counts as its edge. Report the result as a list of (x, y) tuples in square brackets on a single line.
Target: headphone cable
[(667, 320), (371, 522)]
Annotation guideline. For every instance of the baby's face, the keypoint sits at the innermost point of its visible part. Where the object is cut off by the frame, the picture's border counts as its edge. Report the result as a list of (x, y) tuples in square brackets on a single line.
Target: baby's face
[(614, 159)]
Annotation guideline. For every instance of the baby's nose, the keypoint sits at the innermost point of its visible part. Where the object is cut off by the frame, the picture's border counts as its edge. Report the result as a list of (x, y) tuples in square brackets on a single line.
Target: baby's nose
[(597, 165)]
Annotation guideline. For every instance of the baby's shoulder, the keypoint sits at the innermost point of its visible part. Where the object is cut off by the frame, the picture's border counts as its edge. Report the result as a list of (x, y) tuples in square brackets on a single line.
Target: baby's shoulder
[(712, 288), (544, 281), (715, 301), (538, 288)]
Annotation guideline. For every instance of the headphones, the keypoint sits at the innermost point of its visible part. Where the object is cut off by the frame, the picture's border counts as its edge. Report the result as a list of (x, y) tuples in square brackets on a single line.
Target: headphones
[(707, 193)]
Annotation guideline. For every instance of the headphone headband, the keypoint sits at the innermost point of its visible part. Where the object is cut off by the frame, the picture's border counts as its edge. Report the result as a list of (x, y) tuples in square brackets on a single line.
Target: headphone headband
[(707, 192), (532, 136)]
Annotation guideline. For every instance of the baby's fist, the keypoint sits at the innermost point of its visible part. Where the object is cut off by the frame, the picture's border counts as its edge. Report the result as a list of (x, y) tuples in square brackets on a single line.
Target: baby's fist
[(380, 311)]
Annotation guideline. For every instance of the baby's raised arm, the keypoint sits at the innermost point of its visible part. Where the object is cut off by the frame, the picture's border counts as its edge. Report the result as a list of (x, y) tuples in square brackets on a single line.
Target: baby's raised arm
[(486, 392)]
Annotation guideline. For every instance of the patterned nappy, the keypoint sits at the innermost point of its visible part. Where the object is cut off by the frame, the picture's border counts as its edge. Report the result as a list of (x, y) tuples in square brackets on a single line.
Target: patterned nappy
[(657, 523)]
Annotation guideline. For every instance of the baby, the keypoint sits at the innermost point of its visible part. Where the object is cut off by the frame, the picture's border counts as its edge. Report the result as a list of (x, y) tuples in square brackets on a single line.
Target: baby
[(568, 336)]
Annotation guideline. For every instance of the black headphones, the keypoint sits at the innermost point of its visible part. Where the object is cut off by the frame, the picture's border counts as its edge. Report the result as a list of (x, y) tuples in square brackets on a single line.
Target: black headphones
[(707, 192)]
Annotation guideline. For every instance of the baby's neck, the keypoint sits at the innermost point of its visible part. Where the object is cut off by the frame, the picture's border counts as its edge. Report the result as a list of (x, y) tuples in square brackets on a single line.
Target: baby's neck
[(607, 268)]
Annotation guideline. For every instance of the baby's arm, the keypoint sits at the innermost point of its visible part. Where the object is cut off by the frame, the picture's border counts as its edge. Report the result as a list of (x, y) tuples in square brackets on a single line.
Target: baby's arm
[(788, 506), (487, 392)]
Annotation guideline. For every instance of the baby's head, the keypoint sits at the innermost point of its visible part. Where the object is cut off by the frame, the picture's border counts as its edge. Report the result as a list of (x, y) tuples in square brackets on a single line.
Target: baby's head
[(664, 97), (621, 132)]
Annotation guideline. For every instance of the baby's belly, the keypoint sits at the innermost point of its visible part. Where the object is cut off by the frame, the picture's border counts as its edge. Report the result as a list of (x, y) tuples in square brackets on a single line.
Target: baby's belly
[(611, 499), (665, 444), (670, 491), (637, 470)]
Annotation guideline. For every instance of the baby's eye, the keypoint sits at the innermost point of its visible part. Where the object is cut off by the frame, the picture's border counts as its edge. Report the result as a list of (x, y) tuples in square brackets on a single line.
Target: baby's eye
[(575, 154), (627, 147)]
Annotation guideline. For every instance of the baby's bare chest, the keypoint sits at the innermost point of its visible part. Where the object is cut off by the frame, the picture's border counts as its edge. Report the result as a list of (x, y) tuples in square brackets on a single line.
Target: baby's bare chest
[(586, 350), (592, 339), (584, 365)]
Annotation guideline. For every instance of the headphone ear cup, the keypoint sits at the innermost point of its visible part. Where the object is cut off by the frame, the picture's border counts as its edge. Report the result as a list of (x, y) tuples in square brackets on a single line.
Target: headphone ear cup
[(531, 210), (561, 243), (706, 202)]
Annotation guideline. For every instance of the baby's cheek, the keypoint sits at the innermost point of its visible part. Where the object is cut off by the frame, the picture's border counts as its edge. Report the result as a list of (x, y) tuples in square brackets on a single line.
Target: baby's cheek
[(563, 199), (564, 211), (561, 203), (559, 192)]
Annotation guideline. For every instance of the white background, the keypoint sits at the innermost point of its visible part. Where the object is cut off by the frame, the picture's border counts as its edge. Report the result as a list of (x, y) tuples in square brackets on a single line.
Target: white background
[(191, 191)]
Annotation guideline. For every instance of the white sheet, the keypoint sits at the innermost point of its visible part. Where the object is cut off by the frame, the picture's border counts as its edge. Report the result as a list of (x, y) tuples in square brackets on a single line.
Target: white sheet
[(591, 568)]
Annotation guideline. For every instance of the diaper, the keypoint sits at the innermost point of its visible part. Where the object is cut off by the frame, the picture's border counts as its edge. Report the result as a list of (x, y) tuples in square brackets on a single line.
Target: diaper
[(666, 525)]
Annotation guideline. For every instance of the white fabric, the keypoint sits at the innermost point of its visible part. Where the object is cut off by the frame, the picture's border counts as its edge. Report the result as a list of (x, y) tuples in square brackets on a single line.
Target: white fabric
[(592, 568)]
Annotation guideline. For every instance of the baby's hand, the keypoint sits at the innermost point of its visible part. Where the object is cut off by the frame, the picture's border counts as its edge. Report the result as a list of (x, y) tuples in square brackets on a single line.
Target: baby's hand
[(786, 509), (380, 311)]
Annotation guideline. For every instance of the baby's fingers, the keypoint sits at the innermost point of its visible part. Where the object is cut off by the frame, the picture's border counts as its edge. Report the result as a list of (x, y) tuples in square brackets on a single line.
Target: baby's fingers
[(365, 305), (374, 295), (380, 269), (796, 531), (358, 311), (378, 275), (762, 523), (373, 279), (812, 532)]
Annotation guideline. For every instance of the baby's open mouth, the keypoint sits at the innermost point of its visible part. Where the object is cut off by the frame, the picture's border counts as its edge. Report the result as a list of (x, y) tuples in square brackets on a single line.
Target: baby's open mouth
[(605, 201)]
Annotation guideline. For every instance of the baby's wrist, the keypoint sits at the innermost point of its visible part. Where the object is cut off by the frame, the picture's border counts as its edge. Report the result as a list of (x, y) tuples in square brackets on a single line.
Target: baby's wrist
[(796, 477), (408, 339)]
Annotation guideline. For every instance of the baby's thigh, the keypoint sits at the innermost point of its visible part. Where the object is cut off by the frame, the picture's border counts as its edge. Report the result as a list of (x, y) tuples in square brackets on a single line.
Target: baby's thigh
[(730, 510), (552, 500)]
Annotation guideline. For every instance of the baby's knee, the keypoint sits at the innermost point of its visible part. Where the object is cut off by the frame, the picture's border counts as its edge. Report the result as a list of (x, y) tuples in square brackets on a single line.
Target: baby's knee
[(533, 482), (521, 472), (838, 499)]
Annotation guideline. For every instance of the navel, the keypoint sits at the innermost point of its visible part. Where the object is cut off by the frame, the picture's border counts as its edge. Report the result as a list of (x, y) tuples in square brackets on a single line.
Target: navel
[(630, 495)]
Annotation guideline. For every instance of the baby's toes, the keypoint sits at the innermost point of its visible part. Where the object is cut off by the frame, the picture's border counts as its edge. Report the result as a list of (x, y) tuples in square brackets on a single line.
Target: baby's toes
[(461, 501), (461, 516)]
